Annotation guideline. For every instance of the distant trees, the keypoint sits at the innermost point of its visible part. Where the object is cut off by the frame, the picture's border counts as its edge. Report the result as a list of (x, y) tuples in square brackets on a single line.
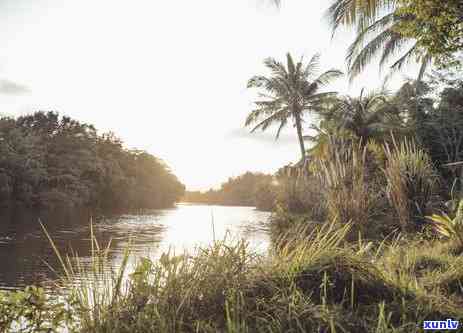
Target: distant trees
[(290, 91), (244, 190), (47, 161)]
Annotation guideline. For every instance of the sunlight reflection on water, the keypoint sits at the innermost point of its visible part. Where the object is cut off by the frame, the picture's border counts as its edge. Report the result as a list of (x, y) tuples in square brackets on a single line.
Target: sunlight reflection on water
[(24, 248)]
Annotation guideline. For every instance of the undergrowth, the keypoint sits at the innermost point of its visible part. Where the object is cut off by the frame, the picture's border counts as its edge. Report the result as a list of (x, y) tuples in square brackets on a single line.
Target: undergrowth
[(313, 280)]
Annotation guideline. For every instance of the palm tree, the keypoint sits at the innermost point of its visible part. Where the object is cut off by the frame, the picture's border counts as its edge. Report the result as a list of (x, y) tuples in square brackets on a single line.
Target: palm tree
[(368, 116), (291, 91), (377, 24)]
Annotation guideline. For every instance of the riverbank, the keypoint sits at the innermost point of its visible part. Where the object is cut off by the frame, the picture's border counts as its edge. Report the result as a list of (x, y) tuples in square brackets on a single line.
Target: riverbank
[(314, 283)]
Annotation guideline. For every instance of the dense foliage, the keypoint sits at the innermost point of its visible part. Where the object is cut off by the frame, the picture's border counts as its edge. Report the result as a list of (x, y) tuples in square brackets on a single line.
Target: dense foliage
[(436, 25), (399, 32), (48, 161)]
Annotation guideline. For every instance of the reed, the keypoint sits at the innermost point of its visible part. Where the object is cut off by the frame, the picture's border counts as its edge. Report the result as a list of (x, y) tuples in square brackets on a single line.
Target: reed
[(412, 181), (348, 193)]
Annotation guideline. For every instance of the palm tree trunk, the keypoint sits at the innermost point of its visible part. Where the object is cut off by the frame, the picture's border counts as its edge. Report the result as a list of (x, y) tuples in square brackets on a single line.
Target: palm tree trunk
[(299, 135), (418, 91)]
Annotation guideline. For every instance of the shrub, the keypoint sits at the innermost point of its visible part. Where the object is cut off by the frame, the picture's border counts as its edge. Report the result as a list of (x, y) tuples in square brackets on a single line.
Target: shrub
[(31, 310)]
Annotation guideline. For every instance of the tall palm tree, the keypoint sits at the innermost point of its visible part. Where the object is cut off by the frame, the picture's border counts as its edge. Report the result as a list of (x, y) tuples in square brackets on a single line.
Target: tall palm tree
[(291, 91), (367, 116)]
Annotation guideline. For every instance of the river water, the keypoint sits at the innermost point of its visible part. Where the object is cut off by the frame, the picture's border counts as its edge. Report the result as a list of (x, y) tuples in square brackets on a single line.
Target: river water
[(26, 255)]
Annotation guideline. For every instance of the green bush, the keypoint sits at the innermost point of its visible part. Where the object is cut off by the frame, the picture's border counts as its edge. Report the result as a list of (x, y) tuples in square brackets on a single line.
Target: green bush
[(32, 310)]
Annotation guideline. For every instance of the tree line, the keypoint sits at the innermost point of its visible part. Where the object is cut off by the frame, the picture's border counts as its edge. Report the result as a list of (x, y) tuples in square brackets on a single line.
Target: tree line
[(247, 189), (48, 161)]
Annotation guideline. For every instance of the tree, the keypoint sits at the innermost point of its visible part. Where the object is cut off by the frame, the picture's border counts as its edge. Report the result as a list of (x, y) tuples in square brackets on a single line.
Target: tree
[(291, 91), (51, 161), (441, 131), (436, 25), (413, 107), (368, 116), (22, 164), (379, 34)]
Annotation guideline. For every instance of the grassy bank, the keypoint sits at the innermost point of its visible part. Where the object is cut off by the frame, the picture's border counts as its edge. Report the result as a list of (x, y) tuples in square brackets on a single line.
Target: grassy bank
[(318, 282)]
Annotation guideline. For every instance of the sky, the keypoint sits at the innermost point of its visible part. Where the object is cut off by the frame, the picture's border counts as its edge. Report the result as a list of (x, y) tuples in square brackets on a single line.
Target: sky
[(168, 77)]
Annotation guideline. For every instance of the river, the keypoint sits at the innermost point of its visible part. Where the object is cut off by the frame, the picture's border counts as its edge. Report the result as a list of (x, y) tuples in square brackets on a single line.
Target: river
[(26, 254)]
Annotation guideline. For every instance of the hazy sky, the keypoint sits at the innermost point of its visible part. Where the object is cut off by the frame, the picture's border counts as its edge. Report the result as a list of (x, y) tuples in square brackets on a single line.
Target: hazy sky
[(165, 76)]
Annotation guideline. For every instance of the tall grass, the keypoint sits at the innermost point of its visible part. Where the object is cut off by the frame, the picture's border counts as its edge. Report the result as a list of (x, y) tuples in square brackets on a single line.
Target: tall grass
[(95, 286), (346, 190), (314, 280), (301, 193), (412, 181)]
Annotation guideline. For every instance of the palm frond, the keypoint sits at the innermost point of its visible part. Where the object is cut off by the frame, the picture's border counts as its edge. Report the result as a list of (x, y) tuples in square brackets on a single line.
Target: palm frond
[(360, 13), (264, 124), (257, 81), (328, 77), (374, 29), (426, 61), (358, 62), (274, 85), (277, 68), (404, 60), (290, 65), (324, 96), (313, 66), (282, 125), (253, 117), (395, 44)]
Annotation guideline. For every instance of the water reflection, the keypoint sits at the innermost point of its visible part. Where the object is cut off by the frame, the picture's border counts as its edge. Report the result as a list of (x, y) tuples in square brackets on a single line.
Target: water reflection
[(24, 249)]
